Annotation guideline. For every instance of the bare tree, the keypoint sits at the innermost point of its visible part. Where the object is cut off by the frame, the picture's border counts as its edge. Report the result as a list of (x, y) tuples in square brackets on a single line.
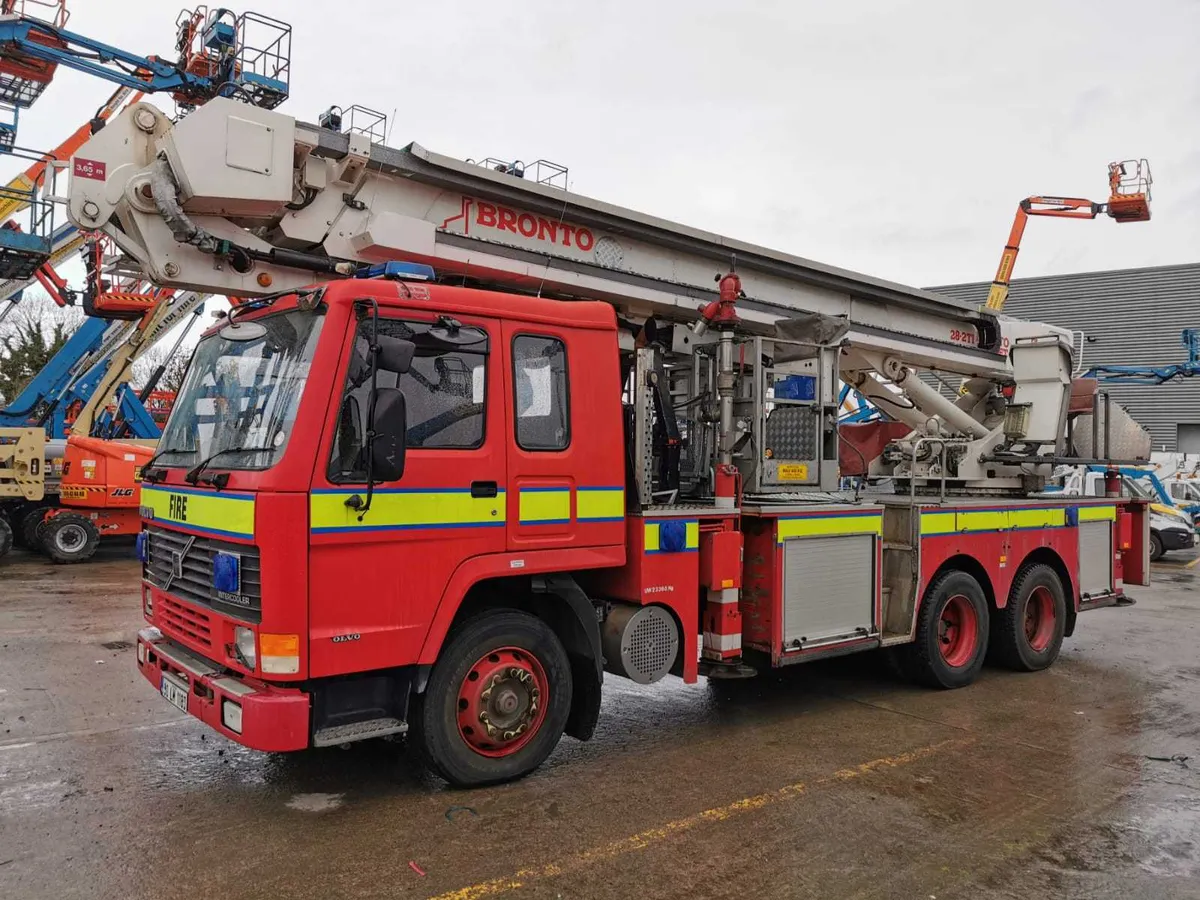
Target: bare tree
[(173, 368), (30, 335)]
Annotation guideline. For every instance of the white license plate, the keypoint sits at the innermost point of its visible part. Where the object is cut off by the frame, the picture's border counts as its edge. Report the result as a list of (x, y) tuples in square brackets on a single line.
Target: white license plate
[(175, 690)]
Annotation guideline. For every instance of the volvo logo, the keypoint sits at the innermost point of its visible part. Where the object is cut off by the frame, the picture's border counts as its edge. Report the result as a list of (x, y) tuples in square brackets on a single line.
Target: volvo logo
[(177, 558)]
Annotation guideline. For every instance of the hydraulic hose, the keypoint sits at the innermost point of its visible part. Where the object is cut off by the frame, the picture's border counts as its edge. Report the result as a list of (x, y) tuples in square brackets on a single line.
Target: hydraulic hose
[(165, 190)]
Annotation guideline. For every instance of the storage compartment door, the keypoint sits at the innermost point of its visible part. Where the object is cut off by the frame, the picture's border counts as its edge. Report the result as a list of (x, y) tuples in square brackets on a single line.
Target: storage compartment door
[(1095, 557), (828, 589)]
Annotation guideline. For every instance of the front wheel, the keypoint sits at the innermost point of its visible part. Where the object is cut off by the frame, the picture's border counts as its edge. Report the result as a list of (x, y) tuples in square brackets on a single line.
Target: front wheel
[(69, 538), (952, 633), (497, 701)]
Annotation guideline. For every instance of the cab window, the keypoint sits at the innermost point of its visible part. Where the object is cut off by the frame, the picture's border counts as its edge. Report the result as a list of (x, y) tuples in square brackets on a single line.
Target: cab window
[(541, 393), (445, 392)]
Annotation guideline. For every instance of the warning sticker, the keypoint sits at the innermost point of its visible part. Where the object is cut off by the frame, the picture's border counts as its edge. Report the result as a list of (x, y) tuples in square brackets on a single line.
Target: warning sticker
[(792, 472)]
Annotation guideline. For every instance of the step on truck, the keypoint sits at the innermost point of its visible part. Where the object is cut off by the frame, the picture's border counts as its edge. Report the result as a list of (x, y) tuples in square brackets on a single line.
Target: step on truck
[(473, 441)]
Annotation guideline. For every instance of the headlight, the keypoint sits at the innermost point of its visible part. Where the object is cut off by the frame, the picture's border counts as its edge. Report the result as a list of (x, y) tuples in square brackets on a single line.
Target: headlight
[(243, 639)]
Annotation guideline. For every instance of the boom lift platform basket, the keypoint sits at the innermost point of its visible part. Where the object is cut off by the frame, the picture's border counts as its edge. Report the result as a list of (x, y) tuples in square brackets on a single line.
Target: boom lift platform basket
[(23, 77), (23, 252)]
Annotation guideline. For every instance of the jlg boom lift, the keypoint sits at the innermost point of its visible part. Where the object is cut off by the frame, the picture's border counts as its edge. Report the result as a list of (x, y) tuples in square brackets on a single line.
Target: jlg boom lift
[(519, 440), (99, 486), (1128, 201), (84, 393)]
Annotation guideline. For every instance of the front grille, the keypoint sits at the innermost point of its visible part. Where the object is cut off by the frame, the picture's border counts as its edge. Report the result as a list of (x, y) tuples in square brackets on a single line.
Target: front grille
[(178, 620), (182, 564)]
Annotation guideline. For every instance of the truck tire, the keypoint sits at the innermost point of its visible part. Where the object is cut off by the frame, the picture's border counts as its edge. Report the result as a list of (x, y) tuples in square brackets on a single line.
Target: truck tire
[(497, 701), (1028, 633), (1156, 547), (6, 536), (29, 523), (952, 634), (69, 538)]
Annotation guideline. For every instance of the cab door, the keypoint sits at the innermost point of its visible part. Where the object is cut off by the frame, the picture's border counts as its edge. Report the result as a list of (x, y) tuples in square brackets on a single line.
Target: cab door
[(544, 455), (378, 575)]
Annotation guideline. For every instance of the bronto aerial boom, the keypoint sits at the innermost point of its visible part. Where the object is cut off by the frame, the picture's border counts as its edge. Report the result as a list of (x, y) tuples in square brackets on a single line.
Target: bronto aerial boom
[(238, 200)]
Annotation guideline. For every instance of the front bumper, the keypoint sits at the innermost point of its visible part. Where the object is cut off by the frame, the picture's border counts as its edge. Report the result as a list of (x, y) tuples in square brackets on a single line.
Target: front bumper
[(273, 719), (1177, 538)]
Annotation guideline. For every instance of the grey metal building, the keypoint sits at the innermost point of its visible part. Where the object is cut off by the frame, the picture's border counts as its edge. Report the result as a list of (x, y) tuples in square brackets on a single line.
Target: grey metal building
[(1130, 317)]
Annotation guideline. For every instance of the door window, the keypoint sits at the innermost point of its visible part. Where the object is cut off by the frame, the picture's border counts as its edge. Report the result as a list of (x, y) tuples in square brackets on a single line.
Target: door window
[(444, 391), (541, 393)]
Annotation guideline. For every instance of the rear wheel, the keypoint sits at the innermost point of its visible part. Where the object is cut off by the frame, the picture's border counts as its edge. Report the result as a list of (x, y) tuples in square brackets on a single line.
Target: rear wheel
[(1156, 547), (69, 538), (1028, 633), (30, 521), (6, 536), (497, 701), (952, 633)]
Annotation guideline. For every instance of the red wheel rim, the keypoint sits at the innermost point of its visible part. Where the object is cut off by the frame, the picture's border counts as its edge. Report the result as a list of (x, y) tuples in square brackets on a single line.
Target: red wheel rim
[(958, 631), (1039, 619), (502, 702)]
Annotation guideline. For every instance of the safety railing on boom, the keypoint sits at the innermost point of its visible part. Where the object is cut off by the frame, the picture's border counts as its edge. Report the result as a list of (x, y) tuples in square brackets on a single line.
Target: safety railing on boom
[(540, 171), (111, 290), (356, 120), (24, 250), (1129, 190), (250, 53), (221, 54), (24, 75)]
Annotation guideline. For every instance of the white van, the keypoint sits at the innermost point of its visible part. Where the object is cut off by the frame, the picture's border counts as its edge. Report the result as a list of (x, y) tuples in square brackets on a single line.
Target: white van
[(1170, 528)]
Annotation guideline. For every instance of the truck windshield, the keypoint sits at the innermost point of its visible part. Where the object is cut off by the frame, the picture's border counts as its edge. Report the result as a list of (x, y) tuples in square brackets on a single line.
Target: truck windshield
[(239, 398)]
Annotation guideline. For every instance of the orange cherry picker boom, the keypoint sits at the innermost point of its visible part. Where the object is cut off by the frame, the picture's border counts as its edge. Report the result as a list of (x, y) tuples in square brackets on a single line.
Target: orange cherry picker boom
[(1128, 201)]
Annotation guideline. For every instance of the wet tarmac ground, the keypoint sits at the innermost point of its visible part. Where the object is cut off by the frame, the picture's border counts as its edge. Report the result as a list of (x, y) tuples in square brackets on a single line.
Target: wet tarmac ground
[(826, 780)]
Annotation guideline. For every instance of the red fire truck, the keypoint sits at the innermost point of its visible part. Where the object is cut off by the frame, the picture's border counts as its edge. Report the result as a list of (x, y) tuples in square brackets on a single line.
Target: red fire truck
[(469, 570), (523, 439)]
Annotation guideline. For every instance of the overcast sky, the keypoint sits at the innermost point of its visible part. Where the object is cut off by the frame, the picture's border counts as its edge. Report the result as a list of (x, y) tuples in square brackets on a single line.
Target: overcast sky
[(893, 138)]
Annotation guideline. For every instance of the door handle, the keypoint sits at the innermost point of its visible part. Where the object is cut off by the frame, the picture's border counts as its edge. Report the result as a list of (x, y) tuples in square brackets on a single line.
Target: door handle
[(484, 489)]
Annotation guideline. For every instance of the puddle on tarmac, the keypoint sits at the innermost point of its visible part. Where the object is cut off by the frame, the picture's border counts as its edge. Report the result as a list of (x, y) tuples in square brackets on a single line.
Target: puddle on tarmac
[(316, 803)]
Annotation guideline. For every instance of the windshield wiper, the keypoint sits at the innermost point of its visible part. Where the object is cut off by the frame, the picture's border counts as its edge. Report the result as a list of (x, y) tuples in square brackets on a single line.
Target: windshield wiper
[(146, 475), (193, 476)]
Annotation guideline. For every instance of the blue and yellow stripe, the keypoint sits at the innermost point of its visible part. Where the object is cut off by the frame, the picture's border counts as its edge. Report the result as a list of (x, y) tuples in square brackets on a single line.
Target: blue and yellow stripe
[(544, 505), (654, 541), (865, 522), (398, 509), (1097, 513), (600, 504), (217, 513), (961, 521)]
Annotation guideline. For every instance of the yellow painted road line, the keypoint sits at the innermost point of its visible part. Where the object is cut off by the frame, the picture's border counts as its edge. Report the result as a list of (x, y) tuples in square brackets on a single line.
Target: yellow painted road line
[(653, 836), (1192, 563)]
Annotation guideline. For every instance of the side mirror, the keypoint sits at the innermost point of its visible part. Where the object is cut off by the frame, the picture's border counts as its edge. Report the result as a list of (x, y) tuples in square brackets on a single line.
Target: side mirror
[(395, 354), (391, 431)]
